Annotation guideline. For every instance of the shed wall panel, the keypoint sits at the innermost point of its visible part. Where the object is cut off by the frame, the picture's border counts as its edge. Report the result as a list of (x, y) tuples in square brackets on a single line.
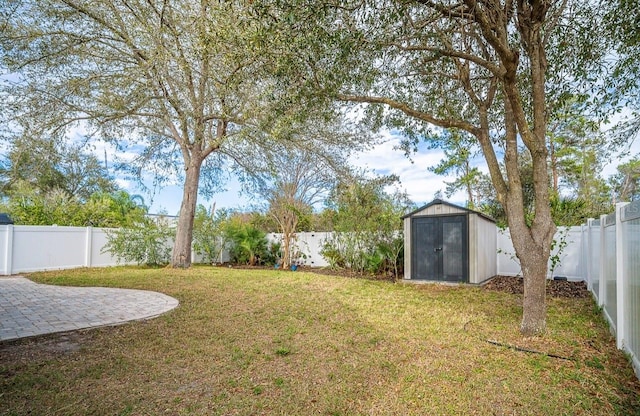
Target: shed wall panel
[(487, 250), (480, 240), (473, 243)]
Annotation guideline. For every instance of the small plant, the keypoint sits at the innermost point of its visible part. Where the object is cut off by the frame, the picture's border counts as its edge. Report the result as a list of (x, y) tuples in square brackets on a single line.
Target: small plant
[(283, 351), (557, 248), (594, 363), (374, 261), (208, 237), (332, 255), (273, 255), (298, 258)]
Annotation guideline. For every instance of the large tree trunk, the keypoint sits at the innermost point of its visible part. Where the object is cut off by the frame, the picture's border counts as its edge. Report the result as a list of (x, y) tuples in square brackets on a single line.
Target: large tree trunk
[(532, 249), (533, 261), (532, 242), (531, 239), (181, 256)]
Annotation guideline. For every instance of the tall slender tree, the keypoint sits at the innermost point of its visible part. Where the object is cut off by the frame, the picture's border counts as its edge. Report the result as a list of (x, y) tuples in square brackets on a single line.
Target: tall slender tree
[(298, 172), (626, 181), (459, 151), (298, 182)]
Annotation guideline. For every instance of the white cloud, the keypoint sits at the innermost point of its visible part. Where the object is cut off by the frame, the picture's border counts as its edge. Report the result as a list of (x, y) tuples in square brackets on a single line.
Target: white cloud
[(125, 184), (420, 183)]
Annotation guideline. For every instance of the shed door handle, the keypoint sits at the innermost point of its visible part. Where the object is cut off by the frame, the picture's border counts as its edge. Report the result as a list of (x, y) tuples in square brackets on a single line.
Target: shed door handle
[(437, 249)]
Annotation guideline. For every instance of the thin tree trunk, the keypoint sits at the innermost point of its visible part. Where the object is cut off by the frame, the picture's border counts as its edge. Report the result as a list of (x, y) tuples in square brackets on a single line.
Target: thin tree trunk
[(181, 257), (286, 250), (467, 170)]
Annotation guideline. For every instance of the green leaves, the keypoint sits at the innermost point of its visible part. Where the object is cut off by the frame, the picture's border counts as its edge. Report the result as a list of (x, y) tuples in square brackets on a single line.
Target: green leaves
[(208, 233), (626, 182), (367, 226), (28, 206), (249, 244), (146, 243)]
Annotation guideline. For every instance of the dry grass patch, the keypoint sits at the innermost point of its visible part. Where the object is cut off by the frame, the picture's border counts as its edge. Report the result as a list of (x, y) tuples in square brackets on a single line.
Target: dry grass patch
[(271, 342)]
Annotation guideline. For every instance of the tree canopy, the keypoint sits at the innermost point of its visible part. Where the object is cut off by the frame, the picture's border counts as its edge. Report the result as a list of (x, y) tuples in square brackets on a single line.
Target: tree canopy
[(189, 85), (490, 69), (199, 84), (47, 164)]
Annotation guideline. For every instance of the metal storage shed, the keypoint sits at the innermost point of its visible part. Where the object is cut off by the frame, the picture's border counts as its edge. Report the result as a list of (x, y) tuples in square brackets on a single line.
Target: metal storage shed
[(447, 243)]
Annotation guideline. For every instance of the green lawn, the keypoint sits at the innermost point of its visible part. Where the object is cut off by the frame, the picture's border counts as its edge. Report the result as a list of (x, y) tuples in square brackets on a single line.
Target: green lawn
[(251, 342)]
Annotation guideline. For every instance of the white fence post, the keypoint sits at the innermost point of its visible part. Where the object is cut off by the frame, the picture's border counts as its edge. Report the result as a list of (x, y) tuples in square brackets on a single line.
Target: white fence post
[(602, 263), (88, 246), (8, 251), (621, 331), (586, 253)]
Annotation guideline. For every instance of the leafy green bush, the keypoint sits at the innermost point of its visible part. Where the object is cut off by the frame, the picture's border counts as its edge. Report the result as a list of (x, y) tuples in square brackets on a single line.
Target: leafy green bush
[(147, 243), (28, 206), (333, 255), (373, 253), (248, 244), (273, 255), (209, 238), (367, 227)]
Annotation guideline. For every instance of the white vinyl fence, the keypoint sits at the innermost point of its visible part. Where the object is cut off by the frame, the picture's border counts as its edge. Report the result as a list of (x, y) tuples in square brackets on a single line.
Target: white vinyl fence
[(26, 248), (568, 249), (309, 244), (612, 261)]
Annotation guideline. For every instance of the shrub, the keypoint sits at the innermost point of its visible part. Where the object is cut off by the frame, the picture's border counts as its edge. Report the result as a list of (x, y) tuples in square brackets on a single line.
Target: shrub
[(209, 239), (145, 243), (367, 226), (366, 252), (248, 244), (273, 255)]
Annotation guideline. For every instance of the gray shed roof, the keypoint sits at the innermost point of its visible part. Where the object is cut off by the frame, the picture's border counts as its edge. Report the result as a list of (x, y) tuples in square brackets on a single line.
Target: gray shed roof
[(441, 202)]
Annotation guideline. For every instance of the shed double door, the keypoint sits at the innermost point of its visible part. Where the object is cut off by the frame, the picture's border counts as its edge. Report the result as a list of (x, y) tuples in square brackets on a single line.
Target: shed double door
[(439, 248)]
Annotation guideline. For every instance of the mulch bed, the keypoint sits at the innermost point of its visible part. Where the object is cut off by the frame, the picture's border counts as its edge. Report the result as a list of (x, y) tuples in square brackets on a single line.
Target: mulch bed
[(555, 288)]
